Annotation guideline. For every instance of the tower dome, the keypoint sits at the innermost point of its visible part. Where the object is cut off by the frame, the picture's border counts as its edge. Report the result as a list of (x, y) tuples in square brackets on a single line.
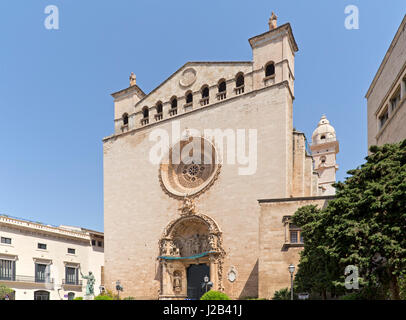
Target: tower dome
[(324, 132), (324, 148)]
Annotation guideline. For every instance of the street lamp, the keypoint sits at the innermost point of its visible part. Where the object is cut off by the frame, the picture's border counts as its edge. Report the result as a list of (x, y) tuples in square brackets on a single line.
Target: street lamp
[(101, 288), (118, 288), (291, 269), (206, 282)]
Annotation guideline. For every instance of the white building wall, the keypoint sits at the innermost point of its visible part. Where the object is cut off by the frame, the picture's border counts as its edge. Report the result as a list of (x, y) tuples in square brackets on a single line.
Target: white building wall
[(24, 250)]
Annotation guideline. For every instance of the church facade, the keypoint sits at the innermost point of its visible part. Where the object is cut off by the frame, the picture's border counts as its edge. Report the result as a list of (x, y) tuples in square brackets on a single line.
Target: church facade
[(214, 206)]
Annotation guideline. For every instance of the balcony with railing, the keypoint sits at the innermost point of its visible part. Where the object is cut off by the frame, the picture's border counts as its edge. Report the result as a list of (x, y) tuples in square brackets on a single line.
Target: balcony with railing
[(158, 116), (221, 95), (204, 101), (173, 112), (188, 106), (239, 90), (26, 279), (321, 141), (144, 121), (74, 283), (124, 128)]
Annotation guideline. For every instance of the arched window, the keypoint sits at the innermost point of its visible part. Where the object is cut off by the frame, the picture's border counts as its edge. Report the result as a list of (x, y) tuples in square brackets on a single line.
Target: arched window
[(205, 95), (159, 111), (269, 69), (145, 116), (145, 112), (222, 86), (174, 106), (189, 97), (71, 295), (174, 103), (125, 119), (159, 107), (239, 81), (205, 92)]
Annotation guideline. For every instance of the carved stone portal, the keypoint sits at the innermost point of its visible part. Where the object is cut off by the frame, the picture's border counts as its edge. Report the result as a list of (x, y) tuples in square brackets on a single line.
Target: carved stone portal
[(191, 239)]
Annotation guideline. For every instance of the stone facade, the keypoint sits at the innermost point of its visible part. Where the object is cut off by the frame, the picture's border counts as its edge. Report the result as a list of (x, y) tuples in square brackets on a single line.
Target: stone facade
[(161, 218), (387, 94), (276, 250)]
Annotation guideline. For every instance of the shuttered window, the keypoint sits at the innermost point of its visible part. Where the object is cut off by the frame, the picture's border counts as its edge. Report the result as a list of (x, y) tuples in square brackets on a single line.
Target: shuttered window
[(7, 270), (41, 273), (71, 275)]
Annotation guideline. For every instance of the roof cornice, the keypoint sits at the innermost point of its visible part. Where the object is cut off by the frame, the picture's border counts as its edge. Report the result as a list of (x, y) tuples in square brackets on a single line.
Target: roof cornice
[(284, 27), (312, 198), (387, 55), (44, 229), (135, 88)]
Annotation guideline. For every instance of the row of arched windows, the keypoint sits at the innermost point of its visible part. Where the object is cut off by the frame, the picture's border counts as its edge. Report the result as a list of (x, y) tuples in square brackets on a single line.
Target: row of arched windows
[(221, 86)]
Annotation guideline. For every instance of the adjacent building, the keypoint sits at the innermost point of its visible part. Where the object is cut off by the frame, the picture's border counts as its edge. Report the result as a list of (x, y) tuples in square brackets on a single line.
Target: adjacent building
[(387, 94), (43, 262), (224, 210)]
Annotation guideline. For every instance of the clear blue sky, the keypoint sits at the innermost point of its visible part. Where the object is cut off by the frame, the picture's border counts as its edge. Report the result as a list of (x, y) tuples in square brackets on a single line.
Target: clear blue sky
[(55, 85)]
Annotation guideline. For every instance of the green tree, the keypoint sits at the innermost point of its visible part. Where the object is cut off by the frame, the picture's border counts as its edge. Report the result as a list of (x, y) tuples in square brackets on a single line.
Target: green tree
[(282, 294), (107, 295), (317, 269), (4, 291), (214, 295), (365, 226)]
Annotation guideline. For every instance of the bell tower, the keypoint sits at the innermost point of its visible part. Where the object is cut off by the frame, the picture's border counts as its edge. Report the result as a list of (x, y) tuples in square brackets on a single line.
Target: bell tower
[(274, 55), (324, 148)]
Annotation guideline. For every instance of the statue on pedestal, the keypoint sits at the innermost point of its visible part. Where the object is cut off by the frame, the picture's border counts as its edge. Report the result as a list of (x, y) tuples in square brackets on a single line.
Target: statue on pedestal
[(90, 284)]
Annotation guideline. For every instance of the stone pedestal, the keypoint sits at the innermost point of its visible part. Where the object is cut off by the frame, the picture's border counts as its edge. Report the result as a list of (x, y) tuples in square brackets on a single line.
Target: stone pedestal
[(88, 297)]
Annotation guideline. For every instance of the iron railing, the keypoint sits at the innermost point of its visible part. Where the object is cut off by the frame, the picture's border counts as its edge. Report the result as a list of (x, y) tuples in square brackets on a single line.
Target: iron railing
[(30, 279), (72, 283)]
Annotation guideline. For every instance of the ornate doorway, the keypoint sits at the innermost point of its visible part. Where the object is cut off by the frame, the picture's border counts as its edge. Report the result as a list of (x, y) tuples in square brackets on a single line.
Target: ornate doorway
[(195, 280), (190, 246)]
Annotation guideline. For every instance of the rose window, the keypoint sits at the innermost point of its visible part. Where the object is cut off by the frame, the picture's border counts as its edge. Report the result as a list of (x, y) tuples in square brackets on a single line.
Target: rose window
[(181, 178)]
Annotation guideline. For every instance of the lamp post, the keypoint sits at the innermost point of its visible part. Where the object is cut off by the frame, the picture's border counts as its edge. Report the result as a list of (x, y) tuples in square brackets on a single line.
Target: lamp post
[(206, 281), (101, 288), (118, 288), (291, 269)]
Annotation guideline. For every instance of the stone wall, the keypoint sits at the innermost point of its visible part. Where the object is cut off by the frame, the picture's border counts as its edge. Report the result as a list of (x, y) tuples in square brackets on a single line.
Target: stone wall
[(275, 254), (391, 75)]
